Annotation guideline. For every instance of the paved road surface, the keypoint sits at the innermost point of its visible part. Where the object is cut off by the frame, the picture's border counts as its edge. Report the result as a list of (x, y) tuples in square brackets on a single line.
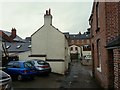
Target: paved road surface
[(78, 77)]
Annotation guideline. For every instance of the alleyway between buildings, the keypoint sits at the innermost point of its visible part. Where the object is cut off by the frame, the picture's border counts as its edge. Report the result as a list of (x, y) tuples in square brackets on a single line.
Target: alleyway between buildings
[(79, 77)]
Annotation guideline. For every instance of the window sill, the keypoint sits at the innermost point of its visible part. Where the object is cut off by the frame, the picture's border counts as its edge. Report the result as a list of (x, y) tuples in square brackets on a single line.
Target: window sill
[(99, 69)]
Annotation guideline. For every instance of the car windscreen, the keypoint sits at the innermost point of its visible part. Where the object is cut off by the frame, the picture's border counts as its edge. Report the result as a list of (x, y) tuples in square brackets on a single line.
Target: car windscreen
[(28, 65)]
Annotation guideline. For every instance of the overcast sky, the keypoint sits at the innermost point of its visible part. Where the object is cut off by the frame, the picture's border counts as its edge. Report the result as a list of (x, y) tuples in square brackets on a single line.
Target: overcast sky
[(27, 17)]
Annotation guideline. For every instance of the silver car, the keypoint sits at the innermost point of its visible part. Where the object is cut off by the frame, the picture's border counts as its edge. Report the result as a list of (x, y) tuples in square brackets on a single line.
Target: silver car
[(41, 66), (5, 81)]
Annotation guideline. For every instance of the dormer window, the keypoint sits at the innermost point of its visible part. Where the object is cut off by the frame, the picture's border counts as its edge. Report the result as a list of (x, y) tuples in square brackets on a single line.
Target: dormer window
[(8, 46), (29, 46), (19, 46)]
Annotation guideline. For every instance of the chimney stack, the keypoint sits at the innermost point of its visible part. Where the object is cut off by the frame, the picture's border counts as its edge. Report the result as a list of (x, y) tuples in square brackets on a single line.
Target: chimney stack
[(13, 33), (48, 17)]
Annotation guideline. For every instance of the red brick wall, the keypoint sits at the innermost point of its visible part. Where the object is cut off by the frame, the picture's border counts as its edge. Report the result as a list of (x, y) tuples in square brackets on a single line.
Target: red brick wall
[(112, 25), (109, 29), (117, 68), (4, 36), (84, 42), (102, 77), (113, 30), (109, 20)]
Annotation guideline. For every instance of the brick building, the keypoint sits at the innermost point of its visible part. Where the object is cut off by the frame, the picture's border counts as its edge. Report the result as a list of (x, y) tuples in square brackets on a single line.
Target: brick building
[(80, 39), (79, 45), (12, 46), (105, 42)]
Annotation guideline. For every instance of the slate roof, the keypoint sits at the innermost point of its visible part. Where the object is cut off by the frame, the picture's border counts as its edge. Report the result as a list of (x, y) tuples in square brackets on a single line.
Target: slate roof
[(79, 36), (114, 43), (18, 46), (17, 38)]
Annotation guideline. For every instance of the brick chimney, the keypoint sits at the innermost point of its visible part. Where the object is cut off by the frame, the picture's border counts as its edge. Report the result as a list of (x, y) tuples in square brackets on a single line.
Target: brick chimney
[(13, 33)]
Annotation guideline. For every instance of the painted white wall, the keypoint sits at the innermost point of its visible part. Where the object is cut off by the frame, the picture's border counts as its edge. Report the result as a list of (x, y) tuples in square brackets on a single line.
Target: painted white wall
[(24, 55), (57, 67), (87, 54), (67, 54), (51, 42), (39, 58), (39, 39), (55, 44), (75, 51)]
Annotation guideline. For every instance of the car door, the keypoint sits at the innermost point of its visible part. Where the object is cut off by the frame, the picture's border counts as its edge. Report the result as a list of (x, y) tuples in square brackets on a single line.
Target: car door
[(16, 68), (8, 68)]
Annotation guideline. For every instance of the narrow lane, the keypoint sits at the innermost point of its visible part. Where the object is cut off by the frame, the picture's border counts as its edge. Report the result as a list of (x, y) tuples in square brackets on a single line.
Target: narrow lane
[(51, 81), (79, 77)]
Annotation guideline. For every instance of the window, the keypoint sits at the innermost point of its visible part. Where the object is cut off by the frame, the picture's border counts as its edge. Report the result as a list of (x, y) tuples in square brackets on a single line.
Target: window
[(76, 48), (88, 41), (99, 55), (10, 65), (82, 41), (28, 65), (19, 46), (77, 41), (8, 46), (29, 46), (16, 65), (72, 41), (71, 49), (97, 17)]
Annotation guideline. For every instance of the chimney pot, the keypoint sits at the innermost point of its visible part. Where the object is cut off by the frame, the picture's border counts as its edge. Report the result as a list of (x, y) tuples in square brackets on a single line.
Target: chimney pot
[(49, 11), (13, 33), (46, 12)]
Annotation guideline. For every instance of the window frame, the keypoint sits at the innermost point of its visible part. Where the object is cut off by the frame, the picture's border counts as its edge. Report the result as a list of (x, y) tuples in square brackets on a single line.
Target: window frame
[(71, 48), (97, 17), (76, 48), (99, 55)]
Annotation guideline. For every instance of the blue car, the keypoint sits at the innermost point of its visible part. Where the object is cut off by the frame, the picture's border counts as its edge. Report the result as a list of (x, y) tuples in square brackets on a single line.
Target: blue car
[(20, 70)]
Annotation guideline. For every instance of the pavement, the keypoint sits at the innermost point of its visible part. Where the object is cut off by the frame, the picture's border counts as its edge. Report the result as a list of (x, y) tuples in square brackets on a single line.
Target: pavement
[(79, 77)]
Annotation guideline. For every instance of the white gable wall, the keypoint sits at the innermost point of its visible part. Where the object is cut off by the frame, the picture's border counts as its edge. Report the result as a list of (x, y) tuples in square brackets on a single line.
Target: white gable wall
[(39, 44), (48, 41), (55, 44), (24, 55), (52, 43)]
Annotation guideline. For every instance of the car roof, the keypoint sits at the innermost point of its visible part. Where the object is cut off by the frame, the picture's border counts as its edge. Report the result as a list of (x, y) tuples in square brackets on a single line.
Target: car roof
[(36, 60), (18, 61)]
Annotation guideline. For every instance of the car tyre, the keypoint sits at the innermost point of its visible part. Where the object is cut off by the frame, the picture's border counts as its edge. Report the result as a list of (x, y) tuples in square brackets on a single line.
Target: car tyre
[(19, 77)]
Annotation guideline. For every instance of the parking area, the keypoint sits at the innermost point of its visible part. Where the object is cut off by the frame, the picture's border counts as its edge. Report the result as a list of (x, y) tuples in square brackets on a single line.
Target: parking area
[(79, 76), (51, 81)]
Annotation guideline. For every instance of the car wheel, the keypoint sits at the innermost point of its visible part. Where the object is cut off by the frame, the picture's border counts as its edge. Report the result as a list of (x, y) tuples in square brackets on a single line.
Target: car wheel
[(19, 77)]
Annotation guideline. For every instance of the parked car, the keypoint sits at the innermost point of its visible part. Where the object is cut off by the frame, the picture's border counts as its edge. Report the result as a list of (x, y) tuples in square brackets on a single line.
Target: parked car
[(41, 66), (20, 69), (5, 81)]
